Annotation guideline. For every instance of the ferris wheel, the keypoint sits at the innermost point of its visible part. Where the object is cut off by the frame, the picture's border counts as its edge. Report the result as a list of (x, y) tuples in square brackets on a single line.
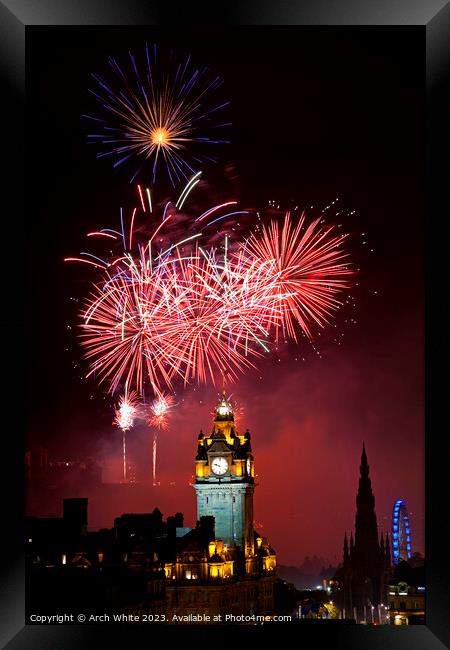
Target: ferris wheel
[(401, 532)]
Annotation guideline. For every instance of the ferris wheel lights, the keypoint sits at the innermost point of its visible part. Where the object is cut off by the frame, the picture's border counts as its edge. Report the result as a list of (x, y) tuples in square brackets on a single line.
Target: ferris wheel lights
[(400, 532)]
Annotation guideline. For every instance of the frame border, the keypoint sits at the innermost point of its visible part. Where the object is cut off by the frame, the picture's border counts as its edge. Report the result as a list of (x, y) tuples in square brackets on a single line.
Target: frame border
[(434, 16)]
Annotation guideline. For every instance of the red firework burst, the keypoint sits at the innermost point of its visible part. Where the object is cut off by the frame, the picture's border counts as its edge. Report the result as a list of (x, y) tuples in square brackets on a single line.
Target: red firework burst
[(196, 313), (126, 411), (159, 411), (305, 267)]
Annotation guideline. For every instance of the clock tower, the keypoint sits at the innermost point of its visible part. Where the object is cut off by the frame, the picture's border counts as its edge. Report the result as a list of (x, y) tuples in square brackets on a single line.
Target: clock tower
[(224, 480)]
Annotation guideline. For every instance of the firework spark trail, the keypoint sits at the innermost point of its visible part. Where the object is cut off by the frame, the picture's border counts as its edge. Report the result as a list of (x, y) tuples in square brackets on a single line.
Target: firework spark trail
[(155, 446), (158, 419), (157, 110), (125, 414)]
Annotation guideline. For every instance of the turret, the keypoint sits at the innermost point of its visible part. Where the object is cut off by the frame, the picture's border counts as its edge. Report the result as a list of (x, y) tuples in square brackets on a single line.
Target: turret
[(201, 449)]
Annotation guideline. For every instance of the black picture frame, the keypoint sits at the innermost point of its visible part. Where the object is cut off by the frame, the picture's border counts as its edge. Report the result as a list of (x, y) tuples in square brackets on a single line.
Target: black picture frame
[(434, 17)]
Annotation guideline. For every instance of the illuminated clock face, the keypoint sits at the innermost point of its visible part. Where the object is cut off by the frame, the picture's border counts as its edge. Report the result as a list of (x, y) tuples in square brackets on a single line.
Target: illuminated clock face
[(219, 466), (249, 466)]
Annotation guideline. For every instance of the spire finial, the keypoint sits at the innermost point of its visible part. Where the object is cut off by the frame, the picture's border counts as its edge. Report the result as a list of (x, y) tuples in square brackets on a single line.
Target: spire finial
[(364, 467)]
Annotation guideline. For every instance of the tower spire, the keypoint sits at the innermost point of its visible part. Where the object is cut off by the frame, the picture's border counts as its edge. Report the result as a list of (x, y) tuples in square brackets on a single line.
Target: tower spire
[(364, 466), (366, 582), (366, 529)]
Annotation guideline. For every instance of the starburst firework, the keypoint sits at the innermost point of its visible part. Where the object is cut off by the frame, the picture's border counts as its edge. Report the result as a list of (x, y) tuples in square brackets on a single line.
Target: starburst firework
[(306, 267), (126, 411), (159, 410), (159, 110)]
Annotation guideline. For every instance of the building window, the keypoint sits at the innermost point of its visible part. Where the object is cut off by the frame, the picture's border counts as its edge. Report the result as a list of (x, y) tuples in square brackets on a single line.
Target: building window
[(234, 499), (207, 500)]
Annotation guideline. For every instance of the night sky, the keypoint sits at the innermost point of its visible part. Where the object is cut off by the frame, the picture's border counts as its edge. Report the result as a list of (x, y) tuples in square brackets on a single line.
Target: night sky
[(318, 114)]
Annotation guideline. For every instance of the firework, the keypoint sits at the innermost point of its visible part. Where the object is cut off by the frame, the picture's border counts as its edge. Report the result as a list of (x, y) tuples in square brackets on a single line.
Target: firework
[(306, 268), (166, 313), (183, 309), (184, 318), (160, 111), (226, 318), (125, 414), (159, 409), (126, 411), (129, 327)]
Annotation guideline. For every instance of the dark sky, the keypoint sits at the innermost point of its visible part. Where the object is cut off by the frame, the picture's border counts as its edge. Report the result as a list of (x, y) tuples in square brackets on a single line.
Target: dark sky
[(318, 113)]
